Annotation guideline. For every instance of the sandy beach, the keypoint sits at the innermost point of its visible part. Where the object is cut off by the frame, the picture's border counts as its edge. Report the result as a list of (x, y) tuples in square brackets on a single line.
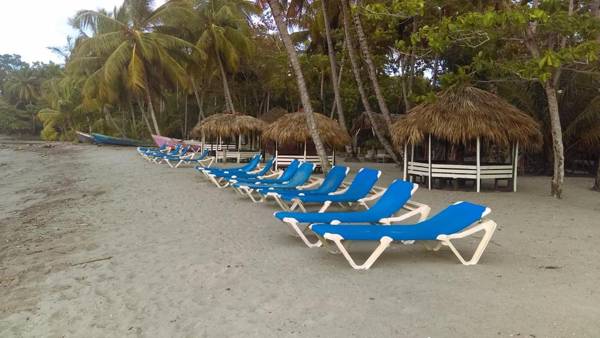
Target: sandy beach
[(97, 242)]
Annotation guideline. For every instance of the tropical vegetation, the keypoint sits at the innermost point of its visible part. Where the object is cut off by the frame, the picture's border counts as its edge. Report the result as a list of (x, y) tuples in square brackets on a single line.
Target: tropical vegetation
[(140, 69)]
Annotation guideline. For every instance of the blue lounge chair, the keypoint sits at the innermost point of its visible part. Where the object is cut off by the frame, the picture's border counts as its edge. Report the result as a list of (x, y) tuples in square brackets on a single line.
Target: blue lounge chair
[(160, 157), (285, 176), (357, 192), (174, 161), (143, 150), (251, 165), (396, 197), (223, 179), (459, 220), (332, 182), (300, 177), (150, 154)]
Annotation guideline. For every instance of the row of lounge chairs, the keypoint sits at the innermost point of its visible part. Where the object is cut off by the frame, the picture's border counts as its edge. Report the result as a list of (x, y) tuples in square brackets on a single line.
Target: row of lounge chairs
[(295, 190), (177, 156)]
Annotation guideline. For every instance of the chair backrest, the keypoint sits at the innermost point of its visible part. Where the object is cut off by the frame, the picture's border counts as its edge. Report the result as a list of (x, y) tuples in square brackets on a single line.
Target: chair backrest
[(185, 150), (204, 154), (394, 198), (267, 167), (175, 150), (253, 163), (453, 219), (289, 171), (362, 184), (333, 180), (302, 174)]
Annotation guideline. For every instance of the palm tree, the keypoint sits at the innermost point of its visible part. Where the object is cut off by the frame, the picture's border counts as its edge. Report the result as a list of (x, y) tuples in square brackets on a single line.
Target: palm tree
[(22, 88), (361, 88), (334, 72), (131, 50), (223, 36), (364, 47), (277, 12)]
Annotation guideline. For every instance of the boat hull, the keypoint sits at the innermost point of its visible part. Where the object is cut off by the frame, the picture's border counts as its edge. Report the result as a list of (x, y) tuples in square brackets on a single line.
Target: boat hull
[(84, 138), (105, 139)]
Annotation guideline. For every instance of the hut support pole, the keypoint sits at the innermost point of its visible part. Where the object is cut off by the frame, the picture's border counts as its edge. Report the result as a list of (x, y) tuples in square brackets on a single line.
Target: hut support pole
[(429, 161), (276, 156), (412, 158), (405, 161), (515, 166), (478, 165), (239, 147), (304, 150)]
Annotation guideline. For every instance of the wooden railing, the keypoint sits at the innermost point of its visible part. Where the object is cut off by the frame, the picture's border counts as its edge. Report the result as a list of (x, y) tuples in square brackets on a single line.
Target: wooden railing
[(285, 160)]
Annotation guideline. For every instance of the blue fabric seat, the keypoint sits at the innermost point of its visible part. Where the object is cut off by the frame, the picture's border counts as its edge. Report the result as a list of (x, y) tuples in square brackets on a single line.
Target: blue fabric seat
[(288, 173), (459, 220), (226, 174), (301, 176), (394, 198), (251, 165), (331, 183)]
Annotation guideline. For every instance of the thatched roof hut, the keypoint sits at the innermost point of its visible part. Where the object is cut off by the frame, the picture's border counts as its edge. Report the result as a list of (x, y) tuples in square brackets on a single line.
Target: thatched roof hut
[(293, 128), (463, 114), (273, 114), (228, 124)]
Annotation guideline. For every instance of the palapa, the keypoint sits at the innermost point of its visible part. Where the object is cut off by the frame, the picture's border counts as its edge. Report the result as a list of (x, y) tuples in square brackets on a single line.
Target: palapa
[(293, 128), (462, 114), (228, 125)]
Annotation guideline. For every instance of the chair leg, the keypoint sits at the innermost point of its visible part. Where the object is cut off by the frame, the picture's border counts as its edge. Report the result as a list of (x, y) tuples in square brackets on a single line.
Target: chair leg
[(488, 227), (384, 243), (301, 233)]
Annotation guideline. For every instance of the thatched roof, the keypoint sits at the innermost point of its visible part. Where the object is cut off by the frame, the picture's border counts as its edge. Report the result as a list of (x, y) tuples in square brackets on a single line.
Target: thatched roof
[(273, 114), (362, 122), (292, 127), (461, 114), (228, 124)]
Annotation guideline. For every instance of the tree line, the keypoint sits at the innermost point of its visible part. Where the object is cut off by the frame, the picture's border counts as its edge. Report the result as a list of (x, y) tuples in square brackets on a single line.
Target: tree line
[(137, 69)]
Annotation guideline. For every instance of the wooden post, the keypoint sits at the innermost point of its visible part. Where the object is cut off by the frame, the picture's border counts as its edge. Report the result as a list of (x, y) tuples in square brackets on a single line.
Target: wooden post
[(515, 166), (405, 161), (239, 147), (478, 164), (429, 161), (276, 157), (304, 151), (412, 158)]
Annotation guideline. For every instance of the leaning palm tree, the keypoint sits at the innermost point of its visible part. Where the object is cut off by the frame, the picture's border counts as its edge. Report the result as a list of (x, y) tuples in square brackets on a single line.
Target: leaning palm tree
[(224, 36), (354, 61), (277, 12), (128, 47)]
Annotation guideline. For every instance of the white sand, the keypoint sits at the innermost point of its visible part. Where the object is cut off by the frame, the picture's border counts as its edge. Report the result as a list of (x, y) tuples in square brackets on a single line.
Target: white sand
[(190, 260)]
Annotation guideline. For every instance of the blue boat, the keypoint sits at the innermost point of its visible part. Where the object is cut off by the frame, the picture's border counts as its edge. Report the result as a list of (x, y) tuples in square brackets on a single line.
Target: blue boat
[(105, 139)]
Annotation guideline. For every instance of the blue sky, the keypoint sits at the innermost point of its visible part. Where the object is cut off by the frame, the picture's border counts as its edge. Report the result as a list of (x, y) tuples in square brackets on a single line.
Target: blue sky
[(27, 27)]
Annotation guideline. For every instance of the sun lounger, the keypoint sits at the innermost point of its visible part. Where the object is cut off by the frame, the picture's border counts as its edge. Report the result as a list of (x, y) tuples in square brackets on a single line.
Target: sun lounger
[(223, 179), (174, 161), (359, 192), (395, 198), (150, 154), (459, 220), (251, 165), (300, 177), (332, 182)]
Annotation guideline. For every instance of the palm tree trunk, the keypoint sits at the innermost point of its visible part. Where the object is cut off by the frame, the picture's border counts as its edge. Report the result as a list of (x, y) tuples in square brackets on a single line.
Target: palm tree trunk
[(228, 99), (364, 47), (144, 117), (334, 77), (151, 107), (308, 110), (558, 176), (361, 89)]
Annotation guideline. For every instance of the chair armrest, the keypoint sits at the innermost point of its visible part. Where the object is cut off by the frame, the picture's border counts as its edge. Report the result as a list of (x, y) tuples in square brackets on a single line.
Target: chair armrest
[(414, 208)]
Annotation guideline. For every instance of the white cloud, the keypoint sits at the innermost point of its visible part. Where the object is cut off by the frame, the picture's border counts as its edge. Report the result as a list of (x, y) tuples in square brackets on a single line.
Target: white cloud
[(28, 27)]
